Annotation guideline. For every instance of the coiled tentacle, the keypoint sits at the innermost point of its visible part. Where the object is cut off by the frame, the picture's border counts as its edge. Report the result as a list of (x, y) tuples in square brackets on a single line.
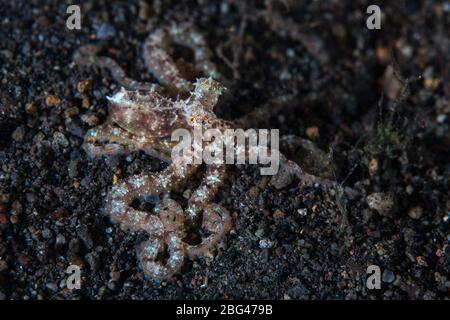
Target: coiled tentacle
[(169, 234), (217, 222), (156, 52), (88, 56)]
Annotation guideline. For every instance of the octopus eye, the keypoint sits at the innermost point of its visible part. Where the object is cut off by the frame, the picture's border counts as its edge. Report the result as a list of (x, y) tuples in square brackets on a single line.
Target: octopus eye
[(192, 119)]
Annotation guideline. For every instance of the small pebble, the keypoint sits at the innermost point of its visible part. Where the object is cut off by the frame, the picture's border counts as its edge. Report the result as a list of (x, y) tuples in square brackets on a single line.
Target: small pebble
[(111, 285), (3, 218), (115, 275), (265, 244), (278, 214), (144, 10), (187, 193), (18, 134), (441, 118), (421, 261), (407, 51), (14, 219), (85, 103), (383, 203), (52, 100), (383, 53), (16, 208), (3, 265), (431, 84), (105, 31), (90, 119), (74, 245), (312, 132), (373, 166), (84, 85), (46, 233), (409, 189), (52, 286), (259, 233), (388, 276), (93, 260), (253, 192), (351, 193), (30, 108), (60, 139), (415, 213), (73, 111), (60, 240)]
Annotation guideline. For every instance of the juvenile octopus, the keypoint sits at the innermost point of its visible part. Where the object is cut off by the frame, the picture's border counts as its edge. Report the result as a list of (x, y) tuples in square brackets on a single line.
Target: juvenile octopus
[(142, 116), (145, 121)]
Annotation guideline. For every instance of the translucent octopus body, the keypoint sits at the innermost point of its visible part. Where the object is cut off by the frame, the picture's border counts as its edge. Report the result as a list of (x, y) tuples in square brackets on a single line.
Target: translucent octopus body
[(145, 122)]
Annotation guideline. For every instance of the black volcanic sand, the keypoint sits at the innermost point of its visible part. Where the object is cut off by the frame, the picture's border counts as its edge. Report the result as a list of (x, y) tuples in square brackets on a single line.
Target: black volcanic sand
[(377, 102)]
